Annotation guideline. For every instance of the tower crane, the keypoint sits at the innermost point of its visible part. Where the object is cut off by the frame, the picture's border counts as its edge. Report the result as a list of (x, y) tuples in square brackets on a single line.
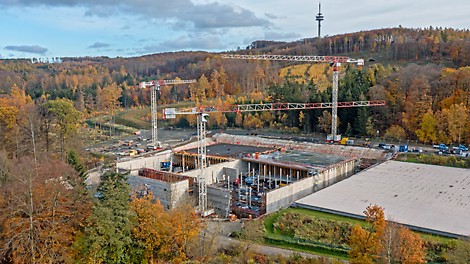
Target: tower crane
[(334, 61), (155, 86), (204, 111)]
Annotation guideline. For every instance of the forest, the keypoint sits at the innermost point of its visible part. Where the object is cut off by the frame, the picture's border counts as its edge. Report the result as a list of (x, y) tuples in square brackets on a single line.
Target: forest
[(48, 214)]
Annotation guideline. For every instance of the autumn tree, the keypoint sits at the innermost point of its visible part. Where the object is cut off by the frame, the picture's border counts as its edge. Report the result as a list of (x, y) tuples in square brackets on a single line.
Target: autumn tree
[(366, 244), (412, 250), (107, 97), (42, 206), (239, 119), (163, 235), (66, 117), (395, 132), (384, 242), (458, 120), (152, 228), (199, 90), (324, 121), (427, 128), (14, 110)]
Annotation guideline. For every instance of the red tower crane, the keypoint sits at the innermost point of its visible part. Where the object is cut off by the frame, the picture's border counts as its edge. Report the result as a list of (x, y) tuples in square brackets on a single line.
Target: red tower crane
[(335, 61)]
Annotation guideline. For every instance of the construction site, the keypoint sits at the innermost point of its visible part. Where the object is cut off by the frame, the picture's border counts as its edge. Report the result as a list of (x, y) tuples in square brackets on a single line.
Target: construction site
[(247, 175)]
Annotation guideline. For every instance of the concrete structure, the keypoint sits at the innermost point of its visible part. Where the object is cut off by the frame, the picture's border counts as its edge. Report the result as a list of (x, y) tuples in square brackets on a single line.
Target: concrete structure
[(152, 162), (169, 188), (217, 171), (433, 199), (255, 175), (285, 196), (220, 199), (274, 143)]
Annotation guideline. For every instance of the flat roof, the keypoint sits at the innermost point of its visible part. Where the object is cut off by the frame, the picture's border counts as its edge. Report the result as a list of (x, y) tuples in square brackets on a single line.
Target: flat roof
[(431, 198), (230, 150)]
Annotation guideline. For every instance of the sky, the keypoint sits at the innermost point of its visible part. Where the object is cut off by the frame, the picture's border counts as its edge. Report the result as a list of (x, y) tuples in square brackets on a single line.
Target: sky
[(130, 28)]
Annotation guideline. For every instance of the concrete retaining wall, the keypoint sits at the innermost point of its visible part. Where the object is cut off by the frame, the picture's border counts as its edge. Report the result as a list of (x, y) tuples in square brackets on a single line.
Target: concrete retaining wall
[(341, 150), (286, 195), (192, 145), (152, 162)]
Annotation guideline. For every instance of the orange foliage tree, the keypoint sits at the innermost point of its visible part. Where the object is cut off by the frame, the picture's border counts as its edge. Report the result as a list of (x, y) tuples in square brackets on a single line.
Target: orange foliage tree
[(384, 242), (366, 244), (43, 204)]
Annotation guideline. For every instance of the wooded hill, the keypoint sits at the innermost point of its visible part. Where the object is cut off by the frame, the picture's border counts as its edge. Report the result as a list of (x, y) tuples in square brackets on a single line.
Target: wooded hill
[(422, 73)]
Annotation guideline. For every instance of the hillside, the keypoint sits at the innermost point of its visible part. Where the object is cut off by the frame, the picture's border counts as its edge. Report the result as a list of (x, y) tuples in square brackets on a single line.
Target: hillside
[(415, 70)]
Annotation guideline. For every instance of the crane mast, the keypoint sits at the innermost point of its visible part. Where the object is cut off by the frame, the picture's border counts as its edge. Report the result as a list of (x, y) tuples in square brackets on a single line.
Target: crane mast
[(202, 162), (154, 87), (335, 61)]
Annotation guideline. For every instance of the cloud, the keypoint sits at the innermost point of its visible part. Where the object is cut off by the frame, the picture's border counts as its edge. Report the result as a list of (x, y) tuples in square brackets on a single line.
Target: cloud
[(271, 16), (189, 42), (29, 49), (98, 45), (200, 16)]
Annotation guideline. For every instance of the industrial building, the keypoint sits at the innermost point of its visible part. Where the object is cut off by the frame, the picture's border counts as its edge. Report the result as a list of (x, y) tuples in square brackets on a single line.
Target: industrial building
[(250, 175), (434, 199)]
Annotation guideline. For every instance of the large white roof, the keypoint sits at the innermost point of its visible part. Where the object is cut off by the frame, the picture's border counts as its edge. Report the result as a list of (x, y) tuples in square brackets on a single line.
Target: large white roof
[(428, 197)]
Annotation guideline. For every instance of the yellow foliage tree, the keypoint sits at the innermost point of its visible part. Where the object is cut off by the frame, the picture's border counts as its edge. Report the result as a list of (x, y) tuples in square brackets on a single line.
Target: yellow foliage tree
[(427, 128), (164, 235), (366, 244)]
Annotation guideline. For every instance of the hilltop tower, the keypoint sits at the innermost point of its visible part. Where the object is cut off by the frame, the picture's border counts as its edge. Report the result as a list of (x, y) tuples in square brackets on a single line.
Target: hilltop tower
[(319, 18)]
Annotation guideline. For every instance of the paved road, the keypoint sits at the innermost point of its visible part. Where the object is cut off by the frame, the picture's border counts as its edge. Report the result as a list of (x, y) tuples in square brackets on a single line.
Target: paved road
[(222, 240)]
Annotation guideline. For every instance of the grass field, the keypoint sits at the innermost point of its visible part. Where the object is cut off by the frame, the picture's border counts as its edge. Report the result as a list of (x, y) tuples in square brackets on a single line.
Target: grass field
[(437, 244), (140, 117)]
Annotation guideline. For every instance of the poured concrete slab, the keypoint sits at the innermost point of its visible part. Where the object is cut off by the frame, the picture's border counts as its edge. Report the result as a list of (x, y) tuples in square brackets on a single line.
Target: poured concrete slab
[(231, 150), (313, 159), (424, 197)]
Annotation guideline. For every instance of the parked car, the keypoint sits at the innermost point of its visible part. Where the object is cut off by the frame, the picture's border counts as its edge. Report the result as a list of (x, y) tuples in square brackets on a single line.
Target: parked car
[(461, 147)]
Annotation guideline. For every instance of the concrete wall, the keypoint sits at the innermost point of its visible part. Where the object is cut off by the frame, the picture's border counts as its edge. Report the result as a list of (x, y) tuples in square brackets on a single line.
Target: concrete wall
[(152, 162), (284, 196), (219, 199), (231, 173), (169, 194), (348, 151), (192, 145), (216, 171), (179, 192)]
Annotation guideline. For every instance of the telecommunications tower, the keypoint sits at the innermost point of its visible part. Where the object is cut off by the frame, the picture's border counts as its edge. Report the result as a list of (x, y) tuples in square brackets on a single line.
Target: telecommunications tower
[(319, 18)]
